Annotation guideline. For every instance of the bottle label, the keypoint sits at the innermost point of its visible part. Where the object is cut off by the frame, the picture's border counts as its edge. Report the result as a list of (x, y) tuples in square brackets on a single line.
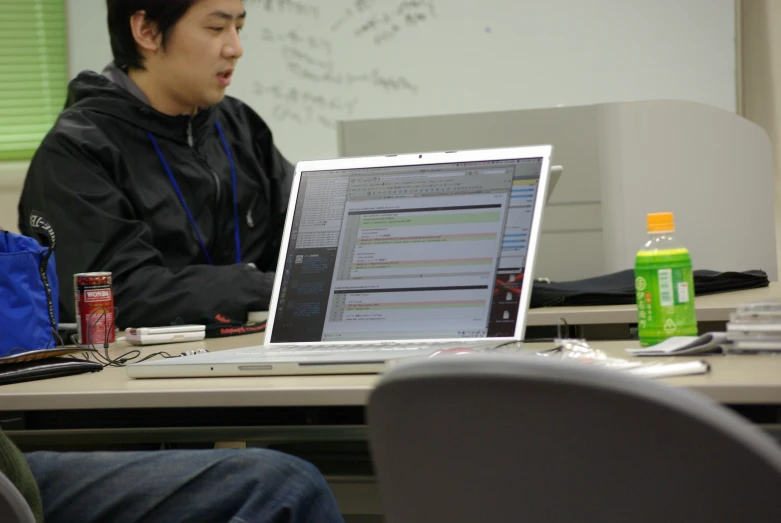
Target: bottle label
[(665, 304), (665, 279)]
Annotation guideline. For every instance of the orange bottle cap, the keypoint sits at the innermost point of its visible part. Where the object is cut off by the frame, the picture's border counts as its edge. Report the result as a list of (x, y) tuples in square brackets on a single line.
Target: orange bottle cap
[(661, 222)]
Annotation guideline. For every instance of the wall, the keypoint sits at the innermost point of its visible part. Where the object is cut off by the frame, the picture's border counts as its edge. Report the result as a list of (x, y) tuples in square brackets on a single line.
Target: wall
[(308, 64), (88, 42), (761, 79)]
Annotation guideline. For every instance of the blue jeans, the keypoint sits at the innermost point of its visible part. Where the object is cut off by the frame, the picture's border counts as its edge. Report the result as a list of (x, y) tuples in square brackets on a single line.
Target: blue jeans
[(224, 485)]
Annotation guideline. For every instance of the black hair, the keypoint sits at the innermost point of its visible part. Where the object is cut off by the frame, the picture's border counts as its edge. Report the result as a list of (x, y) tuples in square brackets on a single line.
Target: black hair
[(165, 13)]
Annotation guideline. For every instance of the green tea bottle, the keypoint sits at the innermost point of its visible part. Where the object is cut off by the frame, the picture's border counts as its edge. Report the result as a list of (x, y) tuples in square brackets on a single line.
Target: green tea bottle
[(664, 284)]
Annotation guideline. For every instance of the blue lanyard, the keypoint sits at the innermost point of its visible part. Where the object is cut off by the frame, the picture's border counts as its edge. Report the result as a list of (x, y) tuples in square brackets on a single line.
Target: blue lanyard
[(187, 209)]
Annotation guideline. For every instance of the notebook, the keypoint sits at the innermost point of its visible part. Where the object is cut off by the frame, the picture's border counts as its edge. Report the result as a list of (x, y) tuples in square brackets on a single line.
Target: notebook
[(391, 257)]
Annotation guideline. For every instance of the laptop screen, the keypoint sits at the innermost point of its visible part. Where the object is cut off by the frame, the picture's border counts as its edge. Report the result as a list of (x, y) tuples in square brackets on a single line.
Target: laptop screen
[(415, 252)]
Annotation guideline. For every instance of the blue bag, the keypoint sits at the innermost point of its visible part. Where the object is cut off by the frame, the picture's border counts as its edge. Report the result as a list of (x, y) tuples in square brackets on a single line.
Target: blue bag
[(29, 293)]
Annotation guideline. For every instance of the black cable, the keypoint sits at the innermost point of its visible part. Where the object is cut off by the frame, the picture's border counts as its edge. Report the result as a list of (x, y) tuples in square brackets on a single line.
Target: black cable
[(52, 334), (59, 338), (161, 353), (558, 328), (525, 340), (562, 334), (105, 359)]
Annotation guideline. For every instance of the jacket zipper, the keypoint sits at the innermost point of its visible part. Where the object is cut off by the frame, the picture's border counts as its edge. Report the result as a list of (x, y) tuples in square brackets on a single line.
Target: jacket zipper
[(191, 143)]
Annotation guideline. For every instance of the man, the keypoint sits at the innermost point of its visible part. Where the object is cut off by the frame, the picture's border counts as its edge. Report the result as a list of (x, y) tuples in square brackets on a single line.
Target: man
[(152, 173)]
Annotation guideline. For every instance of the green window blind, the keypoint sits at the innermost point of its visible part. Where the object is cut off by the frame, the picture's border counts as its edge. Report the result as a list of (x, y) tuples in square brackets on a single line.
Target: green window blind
[(33, 73)]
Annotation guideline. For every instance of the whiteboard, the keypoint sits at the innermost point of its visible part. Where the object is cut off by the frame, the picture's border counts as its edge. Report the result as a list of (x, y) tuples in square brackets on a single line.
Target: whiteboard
[(310, 63)]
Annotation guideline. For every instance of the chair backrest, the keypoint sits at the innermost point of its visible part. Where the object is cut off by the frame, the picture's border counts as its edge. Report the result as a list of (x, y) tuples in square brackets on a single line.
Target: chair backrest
[(13, 506), (510, 438)]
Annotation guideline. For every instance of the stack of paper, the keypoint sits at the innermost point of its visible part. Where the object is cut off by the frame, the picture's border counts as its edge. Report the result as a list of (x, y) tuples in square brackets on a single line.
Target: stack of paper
[(755, 327)]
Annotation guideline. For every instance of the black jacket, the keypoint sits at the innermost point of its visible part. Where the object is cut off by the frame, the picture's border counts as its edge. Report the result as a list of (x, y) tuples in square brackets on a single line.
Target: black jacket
[(99, 180)]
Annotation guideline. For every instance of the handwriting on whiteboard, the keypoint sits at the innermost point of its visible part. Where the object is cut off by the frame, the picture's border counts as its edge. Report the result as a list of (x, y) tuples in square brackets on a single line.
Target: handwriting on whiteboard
[(311, 68), (296, 7), (294, 38), (305, 106), (372, 19), (315, 46)]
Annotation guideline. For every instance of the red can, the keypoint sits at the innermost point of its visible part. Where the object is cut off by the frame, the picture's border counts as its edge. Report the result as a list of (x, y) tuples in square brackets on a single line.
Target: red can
[(95, 310)]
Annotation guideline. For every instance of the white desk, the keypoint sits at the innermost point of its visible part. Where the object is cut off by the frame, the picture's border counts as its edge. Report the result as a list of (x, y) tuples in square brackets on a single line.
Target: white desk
[(108, 403), (734, 379)]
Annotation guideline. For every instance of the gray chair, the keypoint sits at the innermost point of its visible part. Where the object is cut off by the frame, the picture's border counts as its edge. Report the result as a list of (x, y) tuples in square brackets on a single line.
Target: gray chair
[(13, 506), (489, 438)]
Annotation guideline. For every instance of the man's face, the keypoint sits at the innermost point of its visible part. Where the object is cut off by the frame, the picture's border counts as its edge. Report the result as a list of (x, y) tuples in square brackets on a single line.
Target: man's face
[(201, 53)]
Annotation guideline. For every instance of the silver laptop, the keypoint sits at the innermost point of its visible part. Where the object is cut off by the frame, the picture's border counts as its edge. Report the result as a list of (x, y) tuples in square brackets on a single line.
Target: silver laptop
[(393, 257)]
